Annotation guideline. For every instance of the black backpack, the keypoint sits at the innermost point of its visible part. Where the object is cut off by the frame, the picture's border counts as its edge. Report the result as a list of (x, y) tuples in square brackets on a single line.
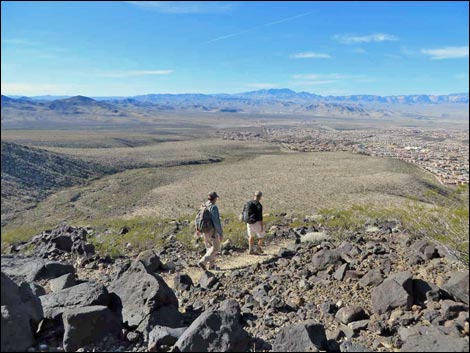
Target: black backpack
[(245, 212)]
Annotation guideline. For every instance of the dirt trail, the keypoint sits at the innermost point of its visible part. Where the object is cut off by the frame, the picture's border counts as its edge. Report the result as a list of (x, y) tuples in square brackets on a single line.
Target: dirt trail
[(233, 262)]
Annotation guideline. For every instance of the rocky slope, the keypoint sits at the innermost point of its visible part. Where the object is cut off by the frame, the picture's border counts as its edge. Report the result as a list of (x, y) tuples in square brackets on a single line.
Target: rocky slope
[(30, 174), (374, 290)]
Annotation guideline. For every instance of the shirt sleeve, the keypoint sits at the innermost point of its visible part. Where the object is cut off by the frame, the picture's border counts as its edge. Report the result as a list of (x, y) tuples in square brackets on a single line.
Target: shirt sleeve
[(260, 212), (216, 220)]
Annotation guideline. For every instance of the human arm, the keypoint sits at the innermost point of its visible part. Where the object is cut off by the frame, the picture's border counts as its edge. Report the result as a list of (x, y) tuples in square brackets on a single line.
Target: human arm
[(216, 220)]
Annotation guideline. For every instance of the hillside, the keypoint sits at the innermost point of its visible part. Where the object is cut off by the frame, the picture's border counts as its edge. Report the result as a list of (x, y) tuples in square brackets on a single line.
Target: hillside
[(30, 174)]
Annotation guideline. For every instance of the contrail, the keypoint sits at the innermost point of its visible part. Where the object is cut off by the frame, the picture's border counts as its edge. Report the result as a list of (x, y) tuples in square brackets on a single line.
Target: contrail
[(256, 27)]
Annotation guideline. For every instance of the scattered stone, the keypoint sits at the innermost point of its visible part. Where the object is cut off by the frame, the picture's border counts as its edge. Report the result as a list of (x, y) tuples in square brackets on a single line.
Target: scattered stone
[(457, 286), (81, 295), (322, 259), (146, 299), (150, 260), (372, 278), (164, 336), (350, 313), (207, 280), (216, 330), (396, 291), (314, 237), (62, 282), (348, 346), (439, 343), (340, 272), (308, 336), (21, 312), (88, 325)]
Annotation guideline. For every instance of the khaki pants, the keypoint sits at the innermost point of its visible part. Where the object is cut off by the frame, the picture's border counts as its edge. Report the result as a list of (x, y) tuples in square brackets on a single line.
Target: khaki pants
[(212, 242)]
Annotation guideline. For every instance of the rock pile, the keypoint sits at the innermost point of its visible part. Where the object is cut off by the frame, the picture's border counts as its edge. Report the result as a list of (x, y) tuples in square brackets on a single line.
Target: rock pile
[(374, 290)]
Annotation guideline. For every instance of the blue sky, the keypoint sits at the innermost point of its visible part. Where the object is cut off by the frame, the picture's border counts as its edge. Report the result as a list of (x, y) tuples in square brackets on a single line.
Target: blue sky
[(133, 47)]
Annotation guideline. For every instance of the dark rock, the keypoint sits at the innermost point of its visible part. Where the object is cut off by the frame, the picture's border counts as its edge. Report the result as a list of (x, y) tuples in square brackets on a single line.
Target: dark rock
[(425, 291), (21, 312), (216, 330), (340, 272), (457, 286), (358, 325), (450, 309), (183, 282), (124, 230), (88, 325), (207, 280), (439, 343), (30, 269), (81, 295), (150, 260), (396, 291), (62, 282), (146, 299), (164, 336), (350, 313), (371, 278), (308, 336), (324, 258), (349, 346), (286, 253)]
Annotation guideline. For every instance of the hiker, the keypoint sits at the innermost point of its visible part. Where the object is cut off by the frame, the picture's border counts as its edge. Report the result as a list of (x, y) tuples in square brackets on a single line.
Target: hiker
[(253, 217), (208, 224)]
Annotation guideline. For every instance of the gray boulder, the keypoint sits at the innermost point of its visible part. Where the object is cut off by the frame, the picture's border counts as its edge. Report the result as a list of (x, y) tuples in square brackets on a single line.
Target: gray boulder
[(396, 291), (146, 299), (372, 278), (349, 346), (21, 312), (62, 282), (216, 330), (457, 286), (150, 260), (324, 258), (340, 272), (435, 343), (350, 313), (308, 336), (85, 294), (30, 269), (207, 280), (164, 336), (88, 325)]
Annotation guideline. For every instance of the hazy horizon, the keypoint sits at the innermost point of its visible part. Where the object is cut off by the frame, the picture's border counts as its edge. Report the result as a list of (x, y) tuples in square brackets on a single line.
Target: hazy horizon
[(130, 48)]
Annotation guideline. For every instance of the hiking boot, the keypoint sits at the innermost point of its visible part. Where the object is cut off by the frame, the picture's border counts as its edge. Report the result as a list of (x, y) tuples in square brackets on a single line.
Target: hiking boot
[(251, 252), (259, 251), (201, 265)]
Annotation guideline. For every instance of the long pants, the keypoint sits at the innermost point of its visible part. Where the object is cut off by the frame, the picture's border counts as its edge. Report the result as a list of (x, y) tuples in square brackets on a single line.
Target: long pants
[(212, 242)]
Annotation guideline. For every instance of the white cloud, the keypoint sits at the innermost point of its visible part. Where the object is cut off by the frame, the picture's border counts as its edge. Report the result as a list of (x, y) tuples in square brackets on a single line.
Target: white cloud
[(130, 73), (310, 55), (262, 85), (354, 39), (446, 53), (181, 7)]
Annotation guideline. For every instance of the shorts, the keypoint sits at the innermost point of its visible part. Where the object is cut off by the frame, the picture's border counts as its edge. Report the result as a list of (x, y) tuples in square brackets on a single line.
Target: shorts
[(255, 230)]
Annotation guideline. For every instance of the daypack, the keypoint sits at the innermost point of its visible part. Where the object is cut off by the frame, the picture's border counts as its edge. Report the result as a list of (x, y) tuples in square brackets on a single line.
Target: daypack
[(245, 216), (203, 219)]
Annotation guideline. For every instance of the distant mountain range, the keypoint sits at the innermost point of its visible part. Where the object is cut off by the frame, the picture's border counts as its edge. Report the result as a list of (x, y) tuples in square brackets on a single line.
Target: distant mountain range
[(282, 94), (40, 110)]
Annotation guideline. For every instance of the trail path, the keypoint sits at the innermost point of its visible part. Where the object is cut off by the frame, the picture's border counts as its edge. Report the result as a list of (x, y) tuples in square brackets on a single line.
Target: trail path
[(238, 260)]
